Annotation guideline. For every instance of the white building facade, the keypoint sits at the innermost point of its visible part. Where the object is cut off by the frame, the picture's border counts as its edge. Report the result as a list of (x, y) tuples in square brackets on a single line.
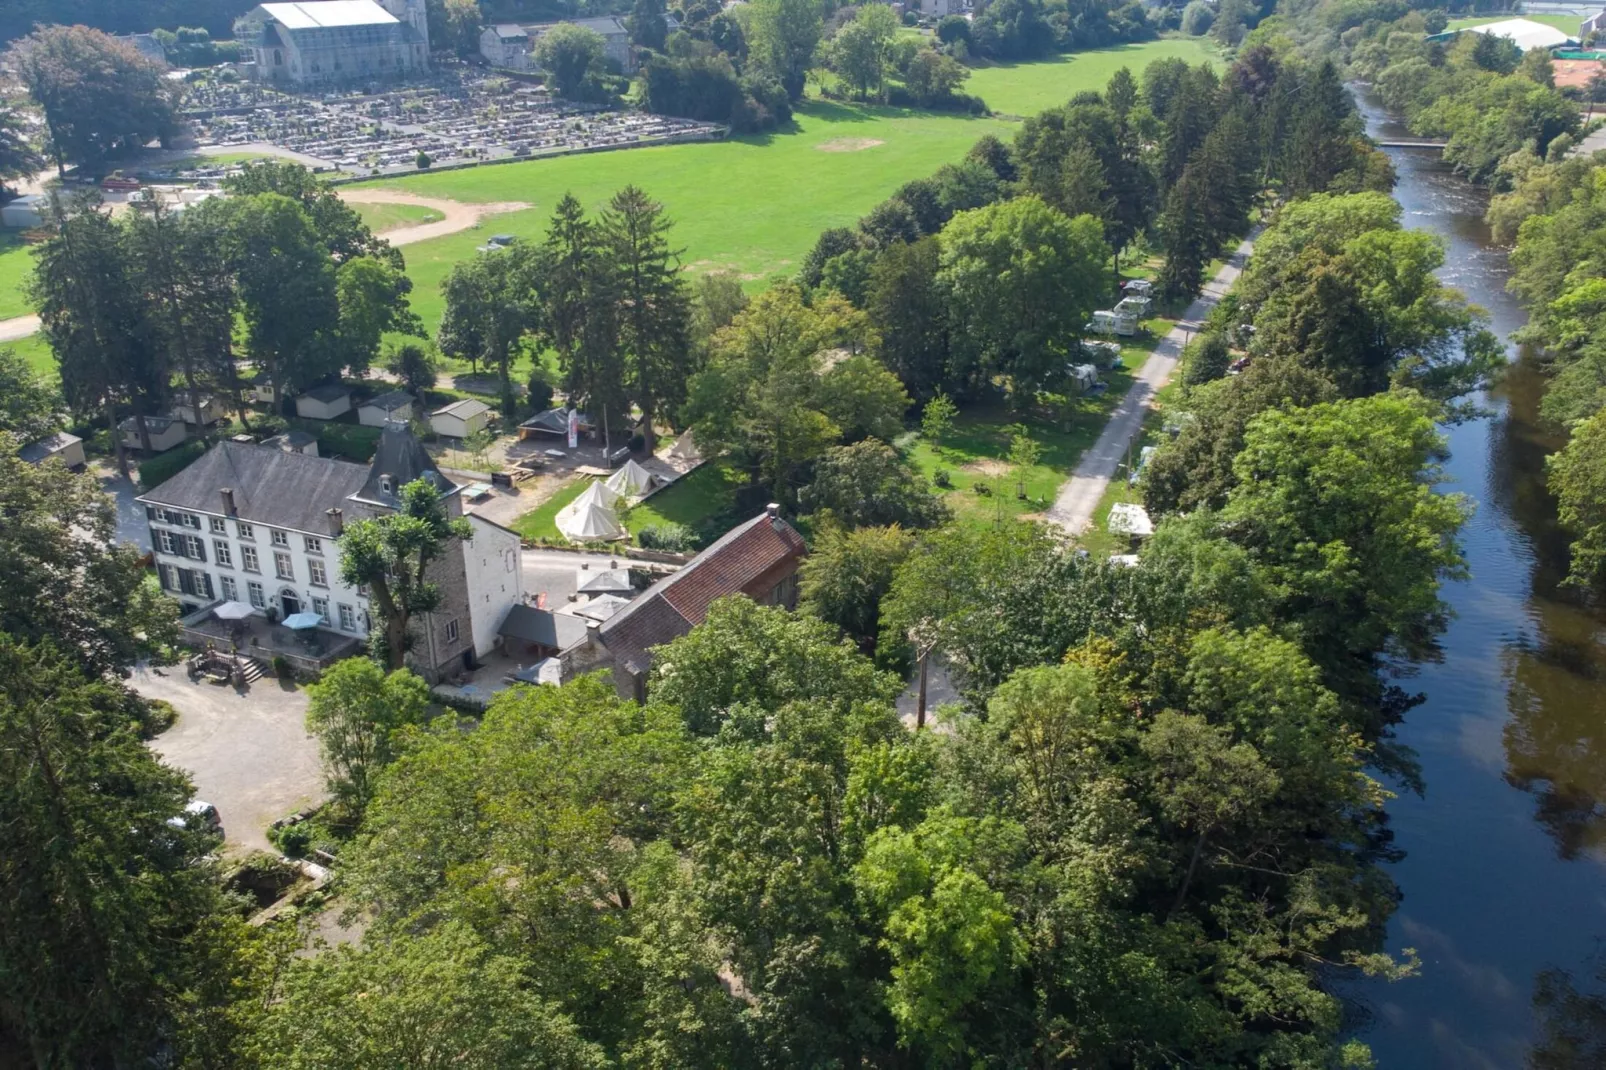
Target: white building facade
[(330, 41)]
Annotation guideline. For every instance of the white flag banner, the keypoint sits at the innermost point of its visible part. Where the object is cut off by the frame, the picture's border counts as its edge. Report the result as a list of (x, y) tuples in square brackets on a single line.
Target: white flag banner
[(574, 428)]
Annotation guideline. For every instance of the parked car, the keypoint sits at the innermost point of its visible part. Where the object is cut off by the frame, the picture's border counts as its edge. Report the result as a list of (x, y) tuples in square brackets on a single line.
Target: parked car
[(1238, 365), (201, 816)]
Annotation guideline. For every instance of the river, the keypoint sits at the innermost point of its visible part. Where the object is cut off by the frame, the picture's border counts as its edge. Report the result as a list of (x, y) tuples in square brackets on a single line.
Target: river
[(1503, 872)]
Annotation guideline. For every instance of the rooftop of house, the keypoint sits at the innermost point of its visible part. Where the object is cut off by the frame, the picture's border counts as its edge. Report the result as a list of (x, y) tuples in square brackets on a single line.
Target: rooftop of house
[(268, 486), (464, 409), (47, 447), (678, 603), (556, 630), (154, 424), (400, 459), (326, 394), (390, 402)]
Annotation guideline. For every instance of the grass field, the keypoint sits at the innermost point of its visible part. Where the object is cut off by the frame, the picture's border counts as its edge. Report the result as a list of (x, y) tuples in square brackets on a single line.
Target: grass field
[(1027, 88), (34, 350), (540, 523), (1567, 24), (690, 500), (383, 217), (16, 264)]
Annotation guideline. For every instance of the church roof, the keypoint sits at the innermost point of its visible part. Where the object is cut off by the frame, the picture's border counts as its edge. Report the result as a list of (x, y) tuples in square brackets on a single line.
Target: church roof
[(327, 14)]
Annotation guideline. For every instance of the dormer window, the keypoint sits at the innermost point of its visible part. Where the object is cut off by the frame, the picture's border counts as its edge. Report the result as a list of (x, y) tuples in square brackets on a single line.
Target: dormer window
[(387, 485)]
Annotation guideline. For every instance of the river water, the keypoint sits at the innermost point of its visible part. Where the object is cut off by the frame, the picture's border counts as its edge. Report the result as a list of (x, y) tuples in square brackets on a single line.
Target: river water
[(1504, 855)]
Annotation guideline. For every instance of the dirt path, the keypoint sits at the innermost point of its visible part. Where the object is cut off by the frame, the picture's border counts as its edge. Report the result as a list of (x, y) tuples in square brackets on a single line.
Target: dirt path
[(14, 330), (459, 216), (1079, 496)]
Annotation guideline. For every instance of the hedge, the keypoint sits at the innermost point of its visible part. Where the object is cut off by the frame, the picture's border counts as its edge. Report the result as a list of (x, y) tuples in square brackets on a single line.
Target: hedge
[(157, 470)]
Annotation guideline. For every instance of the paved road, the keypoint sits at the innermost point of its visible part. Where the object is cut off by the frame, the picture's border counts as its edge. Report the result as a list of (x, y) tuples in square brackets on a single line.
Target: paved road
[(249, 754), (1079, 496)]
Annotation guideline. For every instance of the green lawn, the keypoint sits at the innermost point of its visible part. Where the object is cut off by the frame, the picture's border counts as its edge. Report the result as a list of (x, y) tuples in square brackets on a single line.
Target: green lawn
[(34, 350), (1567, 24), (1025, 89), (690, 500), (753, 205), (16, 265), (540, 523), (383, 217)]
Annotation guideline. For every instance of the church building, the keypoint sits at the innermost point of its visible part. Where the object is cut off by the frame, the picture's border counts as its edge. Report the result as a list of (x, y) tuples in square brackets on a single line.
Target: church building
[(317, 42)]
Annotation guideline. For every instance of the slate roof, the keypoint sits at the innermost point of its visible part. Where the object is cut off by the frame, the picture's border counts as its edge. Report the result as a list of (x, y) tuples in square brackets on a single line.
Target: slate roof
[(272, 487), (326, 14), (47, 447), (676, 604), (463, 409), (557, 630), (154, 424), (403, 458)]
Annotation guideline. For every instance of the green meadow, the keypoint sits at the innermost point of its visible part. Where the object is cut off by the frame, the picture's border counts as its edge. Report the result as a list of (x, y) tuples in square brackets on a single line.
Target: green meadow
[(16, 265), (1025, 89), (383, 217)]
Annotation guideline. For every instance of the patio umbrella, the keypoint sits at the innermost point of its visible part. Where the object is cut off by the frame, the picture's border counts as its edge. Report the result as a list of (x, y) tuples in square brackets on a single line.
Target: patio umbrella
[(301, 621), (233, 611)]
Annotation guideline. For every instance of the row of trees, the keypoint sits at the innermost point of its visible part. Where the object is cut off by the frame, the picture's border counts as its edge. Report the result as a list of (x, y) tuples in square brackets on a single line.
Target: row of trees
[(607, 294), (284, 267)]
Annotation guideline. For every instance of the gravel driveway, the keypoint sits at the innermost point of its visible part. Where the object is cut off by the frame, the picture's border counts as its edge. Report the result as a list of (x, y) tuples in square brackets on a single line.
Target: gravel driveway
[(249, 754)]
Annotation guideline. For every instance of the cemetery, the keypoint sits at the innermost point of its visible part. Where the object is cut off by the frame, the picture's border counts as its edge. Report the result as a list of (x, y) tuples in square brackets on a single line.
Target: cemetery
[(452, 118)]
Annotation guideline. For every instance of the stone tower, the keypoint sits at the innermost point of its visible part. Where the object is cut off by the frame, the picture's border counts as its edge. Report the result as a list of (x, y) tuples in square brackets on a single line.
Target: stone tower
[(415, 14)]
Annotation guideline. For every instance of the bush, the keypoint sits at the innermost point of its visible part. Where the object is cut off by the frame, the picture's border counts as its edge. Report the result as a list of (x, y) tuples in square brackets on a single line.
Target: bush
[(164, 466), (1197, 18), (540, 390), (422, 160), (943, 478), (953, 28), (637, 443), (982, 488), (292, 840), (1206, 359), (281, 667), (675, 538), (354, 442), (157, 717)]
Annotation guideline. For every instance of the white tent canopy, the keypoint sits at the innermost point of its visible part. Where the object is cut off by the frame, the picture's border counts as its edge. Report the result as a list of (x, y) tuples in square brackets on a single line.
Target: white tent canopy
[(598, 492), (604, 581), (685, 448), (591, 517), (1526, 34), (632, 480), (1129, 518)]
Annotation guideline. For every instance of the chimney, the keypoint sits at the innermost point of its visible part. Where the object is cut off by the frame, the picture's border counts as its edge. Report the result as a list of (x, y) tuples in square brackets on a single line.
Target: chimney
[(773, 510), (337, 522), (227, 494)]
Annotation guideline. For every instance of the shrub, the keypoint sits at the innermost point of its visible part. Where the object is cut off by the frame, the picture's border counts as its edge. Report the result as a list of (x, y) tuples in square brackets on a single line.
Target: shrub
[(637, 443), (354, 442), (675, 538), (157, 717), (292, 840), (982, 488), (164, 466), (943, 478), (423, 161), (281, 667), (540, 389), (1206, 359)]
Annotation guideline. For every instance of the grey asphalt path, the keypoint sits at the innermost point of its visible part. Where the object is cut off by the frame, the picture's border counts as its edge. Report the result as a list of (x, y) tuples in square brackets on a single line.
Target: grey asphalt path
[(1079, 496)]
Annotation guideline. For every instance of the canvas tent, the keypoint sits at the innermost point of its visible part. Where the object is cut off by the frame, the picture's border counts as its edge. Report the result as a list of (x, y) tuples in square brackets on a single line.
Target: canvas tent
[(1129, 518), (598, 492), (592, 522), (631, 481), (685, 448), (604, 581)]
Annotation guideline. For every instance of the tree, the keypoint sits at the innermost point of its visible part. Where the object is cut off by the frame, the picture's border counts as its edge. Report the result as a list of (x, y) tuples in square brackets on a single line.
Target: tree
[(1024, 453), (337, 224), (98, 94), (355, 711), (1023, 280), (861, 50), (937, 420), (908, 304), (105, 906), (868, 484), (1206, 359), (372, 296), (30, 407), (781, 38), (654, 308), (18, 157), (95, 321), (288, 287), (1197, 18), (415, 366), (1189, 242), (573, 56), (1577, 477), (863, 399), (648, 28), (848, 572), (491, 304), (580, 315), (933, 78), (441, 998), (391, 554), (461, 22)]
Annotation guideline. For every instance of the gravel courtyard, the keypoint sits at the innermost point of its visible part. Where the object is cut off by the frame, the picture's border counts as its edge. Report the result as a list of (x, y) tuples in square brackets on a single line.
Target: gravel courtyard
[(249, 754)]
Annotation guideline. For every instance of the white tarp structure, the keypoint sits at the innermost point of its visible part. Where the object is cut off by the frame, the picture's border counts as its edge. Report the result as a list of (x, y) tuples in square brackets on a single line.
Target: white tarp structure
[(605, 581), (601, 607), (631, 481), (1130, 518), (685, 448), (1526, 34), (592, 522), (591, 516)]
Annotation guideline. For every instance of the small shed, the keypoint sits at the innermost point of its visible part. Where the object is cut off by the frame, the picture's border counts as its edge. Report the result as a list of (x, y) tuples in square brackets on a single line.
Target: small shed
[(68, 449), (24, 212), (324, 402), (540, 631), (460, 419), (164, 431), (210, 411), (552, 422), (294, 442), (395, 407), (262, 388)]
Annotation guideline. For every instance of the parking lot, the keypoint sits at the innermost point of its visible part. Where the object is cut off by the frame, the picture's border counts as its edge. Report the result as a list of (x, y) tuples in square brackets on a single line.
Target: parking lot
[(248, 753)]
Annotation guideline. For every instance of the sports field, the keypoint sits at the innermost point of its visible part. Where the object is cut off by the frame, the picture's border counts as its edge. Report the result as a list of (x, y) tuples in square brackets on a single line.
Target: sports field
[(383, 217), (1025, 89), (1567, 24)]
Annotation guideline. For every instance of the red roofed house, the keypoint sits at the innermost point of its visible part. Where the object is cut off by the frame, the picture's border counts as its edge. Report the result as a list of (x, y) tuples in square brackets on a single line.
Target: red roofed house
[(759, 559)]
